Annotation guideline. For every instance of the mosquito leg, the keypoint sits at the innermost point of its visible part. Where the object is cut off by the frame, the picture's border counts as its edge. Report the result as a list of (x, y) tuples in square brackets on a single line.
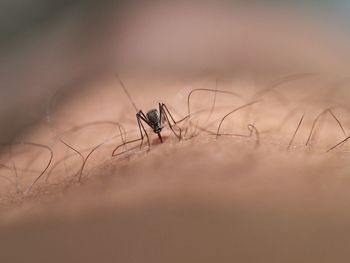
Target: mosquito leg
[(126, 92), (167, 112), (164, 109), (124, 144), (140, 129), (140, 118), (142, 132), (122, 134)]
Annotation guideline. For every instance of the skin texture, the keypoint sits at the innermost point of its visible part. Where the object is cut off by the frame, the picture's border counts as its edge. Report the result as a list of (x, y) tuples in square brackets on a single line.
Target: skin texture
[(257, 195), (201, 199)]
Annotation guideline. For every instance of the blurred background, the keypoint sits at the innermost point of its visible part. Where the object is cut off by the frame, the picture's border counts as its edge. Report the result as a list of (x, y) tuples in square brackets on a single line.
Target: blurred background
[(47, 46), (194, 201)]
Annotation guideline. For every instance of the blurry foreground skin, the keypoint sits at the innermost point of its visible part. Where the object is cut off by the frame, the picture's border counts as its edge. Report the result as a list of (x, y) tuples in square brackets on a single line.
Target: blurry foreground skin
[(202, 199), (198, 201), (261, 196)]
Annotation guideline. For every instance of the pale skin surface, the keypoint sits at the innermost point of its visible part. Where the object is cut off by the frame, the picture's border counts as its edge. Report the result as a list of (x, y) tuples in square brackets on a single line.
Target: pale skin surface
[(260, 197), (198, 200)]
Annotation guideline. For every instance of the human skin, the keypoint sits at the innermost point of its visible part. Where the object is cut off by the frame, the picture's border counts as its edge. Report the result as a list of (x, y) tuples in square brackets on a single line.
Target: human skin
[(201, 199)]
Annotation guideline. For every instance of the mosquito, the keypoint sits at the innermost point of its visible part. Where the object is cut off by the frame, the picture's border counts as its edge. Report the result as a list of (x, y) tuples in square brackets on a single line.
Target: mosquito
[(155, 118)]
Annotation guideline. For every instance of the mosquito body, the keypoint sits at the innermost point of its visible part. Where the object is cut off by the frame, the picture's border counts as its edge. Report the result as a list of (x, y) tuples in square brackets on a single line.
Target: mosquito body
[(156, 119), (153, 119)]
